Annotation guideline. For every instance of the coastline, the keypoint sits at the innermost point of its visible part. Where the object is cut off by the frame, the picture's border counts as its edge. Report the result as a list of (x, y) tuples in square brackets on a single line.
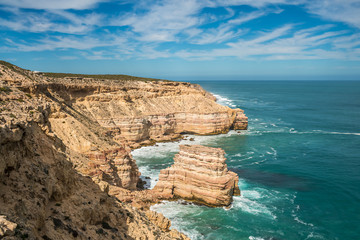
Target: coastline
[(95, 124), (165, 151)]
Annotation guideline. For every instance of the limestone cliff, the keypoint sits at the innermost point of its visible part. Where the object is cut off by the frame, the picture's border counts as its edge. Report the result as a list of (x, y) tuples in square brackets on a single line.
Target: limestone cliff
[(100, 120), (43, 197), (66, 143), (199, 174)]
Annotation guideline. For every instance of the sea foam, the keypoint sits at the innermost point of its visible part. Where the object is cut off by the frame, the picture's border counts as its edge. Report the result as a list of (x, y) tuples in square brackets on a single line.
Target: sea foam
[(224, 100)]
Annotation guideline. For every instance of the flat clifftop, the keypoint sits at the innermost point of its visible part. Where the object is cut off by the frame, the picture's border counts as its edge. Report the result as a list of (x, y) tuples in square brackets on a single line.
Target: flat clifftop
[(199, 174), (76, 135), (15, 73)]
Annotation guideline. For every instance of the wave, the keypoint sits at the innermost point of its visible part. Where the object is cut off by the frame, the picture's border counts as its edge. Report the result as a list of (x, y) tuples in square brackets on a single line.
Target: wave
[(256, 238), (259, 131), (224, 100), (250, 199), (341, 133), (292, 130), (174, 210), (152, 159), (296, 218), (273, 151), (149, 176), (162, 150), (246, 204), (313, 235)]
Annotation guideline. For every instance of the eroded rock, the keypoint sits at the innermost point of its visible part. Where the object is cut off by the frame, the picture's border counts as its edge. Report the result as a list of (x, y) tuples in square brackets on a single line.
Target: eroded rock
[(199, 174), (7, 228)]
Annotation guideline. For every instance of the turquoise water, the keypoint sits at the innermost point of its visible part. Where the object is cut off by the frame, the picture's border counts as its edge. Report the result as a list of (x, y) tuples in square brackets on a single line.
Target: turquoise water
[(299, 163)]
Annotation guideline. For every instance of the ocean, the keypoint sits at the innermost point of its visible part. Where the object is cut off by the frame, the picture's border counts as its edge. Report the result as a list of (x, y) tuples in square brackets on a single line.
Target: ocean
[(298, 163)]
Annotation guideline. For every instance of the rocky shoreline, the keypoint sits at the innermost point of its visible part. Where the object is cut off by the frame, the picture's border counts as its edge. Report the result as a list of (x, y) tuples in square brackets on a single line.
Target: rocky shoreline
[(66, 169)]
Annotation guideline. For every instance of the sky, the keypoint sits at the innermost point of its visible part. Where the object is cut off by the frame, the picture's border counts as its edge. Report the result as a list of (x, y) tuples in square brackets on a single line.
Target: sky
[(185, 39)]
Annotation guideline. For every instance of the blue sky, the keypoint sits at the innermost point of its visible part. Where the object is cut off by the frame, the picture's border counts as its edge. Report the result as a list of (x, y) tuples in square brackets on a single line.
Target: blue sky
[(187, 39)]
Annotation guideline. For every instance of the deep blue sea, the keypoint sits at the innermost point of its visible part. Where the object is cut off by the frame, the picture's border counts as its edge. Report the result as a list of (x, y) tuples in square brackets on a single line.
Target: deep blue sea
[(298, 163)]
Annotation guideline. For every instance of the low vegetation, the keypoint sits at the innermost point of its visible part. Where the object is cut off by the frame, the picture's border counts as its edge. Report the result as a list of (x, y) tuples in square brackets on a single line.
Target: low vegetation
[(118, 77), (99, 76), (5, 89), (15, 68)]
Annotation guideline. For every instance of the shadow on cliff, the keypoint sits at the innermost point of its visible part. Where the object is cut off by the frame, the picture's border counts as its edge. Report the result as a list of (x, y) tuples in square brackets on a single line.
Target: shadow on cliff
[(48, 199), (276, 180)]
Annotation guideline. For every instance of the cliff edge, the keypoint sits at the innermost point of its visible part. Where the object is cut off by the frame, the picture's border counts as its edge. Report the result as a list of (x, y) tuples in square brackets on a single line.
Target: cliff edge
[(66, 145)]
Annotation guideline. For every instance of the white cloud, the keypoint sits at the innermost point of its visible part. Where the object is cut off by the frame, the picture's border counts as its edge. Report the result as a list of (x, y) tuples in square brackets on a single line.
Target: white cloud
[(51, 21), (69, 57), (216, 35), (162, 22), (347, 11), (347, 42), (248, 17), (52, 4), (271, 35), (230, 29), (253, 3), (79, 43), (284, 43), (151, 23)]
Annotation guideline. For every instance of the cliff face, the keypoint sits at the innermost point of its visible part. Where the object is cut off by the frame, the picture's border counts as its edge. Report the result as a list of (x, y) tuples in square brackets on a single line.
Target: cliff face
[(199, 174), (43, 197), (138, 113), (99, 121), (68, 137), (102, 122)]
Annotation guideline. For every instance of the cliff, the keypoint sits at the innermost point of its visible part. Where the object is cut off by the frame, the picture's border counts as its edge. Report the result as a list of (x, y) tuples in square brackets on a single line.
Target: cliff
[(100, 120), (70, 138), (43, 197), (199, 174)]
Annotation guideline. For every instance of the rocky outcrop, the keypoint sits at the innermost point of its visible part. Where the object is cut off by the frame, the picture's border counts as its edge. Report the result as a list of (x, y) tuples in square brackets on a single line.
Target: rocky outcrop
[(240, 121), (141, 113), (43, 197), (199, 174), (65, 144), (7, 228), (99, 121)]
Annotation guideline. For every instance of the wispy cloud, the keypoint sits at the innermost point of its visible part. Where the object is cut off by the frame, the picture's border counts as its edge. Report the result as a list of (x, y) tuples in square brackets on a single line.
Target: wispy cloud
[(181, 29), (336, 10), (216, 35), (62, 43), (51, 21), (230, 29), (163, 21), (69, 57), (52, 4), (284, 43)]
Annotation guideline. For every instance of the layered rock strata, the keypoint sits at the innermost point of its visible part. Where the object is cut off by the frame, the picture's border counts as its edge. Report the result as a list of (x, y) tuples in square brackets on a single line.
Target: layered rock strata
[(199, 174), (43, 197), (65, 144), (100, 120)]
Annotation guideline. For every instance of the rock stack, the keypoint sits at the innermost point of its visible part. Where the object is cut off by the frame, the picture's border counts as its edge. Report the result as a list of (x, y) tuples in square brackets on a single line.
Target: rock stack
[(199, 174), (241, 120)]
